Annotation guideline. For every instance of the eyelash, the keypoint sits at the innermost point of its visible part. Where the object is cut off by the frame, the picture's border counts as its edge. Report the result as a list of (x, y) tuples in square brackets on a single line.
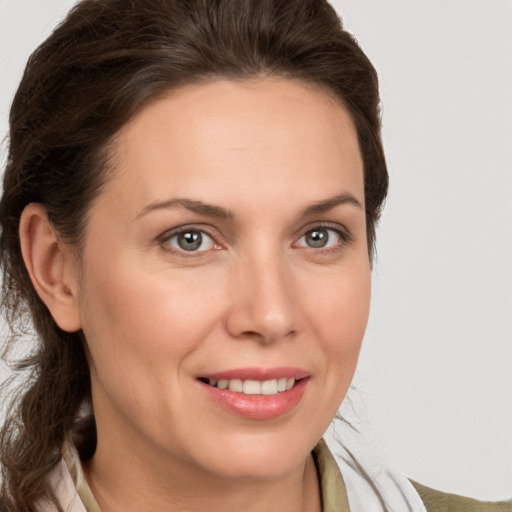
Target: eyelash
[(344, 235), (169, 235)]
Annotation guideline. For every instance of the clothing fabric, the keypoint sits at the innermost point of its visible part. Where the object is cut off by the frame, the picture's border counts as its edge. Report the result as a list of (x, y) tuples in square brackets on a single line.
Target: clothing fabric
[(436, 501), (346, 486)]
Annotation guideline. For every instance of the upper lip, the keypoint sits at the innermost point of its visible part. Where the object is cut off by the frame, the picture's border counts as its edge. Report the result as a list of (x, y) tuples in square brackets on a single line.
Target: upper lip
[(261, 374)]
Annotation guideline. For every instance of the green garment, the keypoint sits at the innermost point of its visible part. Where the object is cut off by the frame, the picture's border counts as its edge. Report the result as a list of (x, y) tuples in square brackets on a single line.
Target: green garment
[(334, 495), (436, 501)]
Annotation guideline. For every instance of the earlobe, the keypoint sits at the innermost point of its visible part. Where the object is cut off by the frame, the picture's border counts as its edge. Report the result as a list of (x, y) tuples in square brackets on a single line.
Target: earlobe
[(51, 267)]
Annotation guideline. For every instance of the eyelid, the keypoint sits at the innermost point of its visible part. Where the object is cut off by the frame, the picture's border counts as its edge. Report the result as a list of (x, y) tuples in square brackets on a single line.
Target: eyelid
[(170, 233), (344, 233)]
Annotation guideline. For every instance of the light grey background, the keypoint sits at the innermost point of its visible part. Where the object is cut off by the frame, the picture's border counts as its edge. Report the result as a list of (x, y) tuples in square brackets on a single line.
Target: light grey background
[(434, 385)]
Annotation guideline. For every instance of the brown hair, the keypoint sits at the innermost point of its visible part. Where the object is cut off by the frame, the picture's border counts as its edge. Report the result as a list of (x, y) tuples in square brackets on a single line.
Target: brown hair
[(102, 64)]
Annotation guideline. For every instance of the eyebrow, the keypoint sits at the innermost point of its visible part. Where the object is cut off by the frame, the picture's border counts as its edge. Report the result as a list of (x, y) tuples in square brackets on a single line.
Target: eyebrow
[(329, 204), (210, 210), (194, 206)]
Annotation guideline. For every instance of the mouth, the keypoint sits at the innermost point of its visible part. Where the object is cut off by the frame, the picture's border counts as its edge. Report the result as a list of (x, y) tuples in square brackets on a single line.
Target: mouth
[(253, 387), (261, 394)]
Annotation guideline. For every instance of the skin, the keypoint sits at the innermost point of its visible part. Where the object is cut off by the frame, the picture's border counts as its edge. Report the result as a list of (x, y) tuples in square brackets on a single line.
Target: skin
[(254, 295)]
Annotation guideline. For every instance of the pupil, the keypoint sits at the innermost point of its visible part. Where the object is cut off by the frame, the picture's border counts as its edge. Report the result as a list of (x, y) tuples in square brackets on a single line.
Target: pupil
[(317, 238), (190, 241)]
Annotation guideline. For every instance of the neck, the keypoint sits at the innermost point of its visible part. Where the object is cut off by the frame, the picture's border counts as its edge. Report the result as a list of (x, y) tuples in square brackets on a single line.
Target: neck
[(130, 483)]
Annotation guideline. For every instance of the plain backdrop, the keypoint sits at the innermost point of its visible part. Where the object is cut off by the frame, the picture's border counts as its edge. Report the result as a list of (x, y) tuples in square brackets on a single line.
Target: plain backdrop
[(433, 390)]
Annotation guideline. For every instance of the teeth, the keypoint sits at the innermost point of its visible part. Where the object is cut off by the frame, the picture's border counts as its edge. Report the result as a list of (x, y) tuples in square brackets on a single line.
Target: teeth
[(251, 387), (254, 387), (236, 385), (222, 384), (269, 387), (281, 384)]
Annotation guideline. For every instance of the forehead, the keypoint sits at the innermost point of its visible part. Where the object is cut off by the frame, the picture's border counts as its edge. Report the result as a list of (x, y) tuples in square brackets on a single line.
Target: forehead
[(226, 135)]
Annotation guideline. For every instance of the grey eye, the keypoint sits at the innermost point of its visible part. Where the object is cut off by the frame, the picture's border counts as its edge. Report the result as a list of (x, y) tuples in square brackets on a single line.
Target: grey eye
[(320, 238), (191, 241)]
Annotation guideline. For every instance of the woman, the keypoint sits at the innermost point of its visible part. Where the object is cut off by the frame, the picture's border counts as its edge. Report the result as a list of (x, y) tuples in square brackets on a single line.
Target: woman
[(189, 213)]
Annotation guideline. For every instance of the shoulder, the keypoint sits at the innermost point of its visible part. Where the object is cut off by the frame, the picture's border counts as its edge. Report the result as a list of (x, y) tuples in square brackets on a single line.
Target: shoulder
[(437, 501)]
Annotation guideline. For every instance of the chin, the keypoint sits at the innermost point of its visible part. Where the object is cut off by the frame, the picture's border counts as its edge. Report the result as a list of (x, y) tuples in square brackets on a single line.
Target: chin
[(264, 458), (264, 469)]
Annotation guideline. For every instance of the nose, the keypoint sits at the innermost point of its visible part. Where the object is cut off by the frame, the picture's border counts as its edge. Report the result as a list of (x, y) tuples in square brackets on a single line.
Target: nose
[(262, 305)]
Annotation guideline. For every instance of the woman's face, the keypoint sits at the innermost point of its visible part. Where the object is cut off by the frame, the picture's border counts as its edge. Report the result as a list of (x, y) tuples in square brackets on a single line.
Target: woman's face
[(228, 249)]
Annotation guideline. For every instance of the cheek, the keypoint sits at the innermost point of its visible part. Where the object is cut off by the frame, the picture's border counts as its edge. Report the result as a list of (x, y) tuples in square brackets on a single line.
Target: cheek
[(142, 334), (339, 315), (142, 326), (148, 316)]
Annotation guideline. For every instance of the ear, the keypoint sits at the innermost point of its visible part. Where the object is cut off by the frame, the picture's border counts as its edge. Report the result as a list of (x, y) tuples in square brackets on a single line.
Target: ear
[(51, 266)]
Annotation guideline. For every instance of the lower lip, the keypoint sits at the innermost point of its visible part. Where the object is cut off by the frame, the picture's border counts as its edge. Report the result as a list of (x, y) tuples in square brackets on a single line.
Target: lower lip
[(258, 407)]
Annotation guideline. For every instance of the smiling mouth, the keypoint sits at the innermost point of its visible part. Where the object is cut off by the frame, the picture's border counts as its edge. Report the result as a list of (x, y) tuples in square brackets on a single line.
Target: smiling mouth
[(253, 387)]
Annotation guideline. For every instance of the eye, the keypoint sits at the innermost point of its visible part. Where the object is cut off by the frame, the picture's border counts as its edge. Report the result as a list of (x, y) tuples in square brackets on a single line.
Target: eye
[(320, 238), (190, 240)]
